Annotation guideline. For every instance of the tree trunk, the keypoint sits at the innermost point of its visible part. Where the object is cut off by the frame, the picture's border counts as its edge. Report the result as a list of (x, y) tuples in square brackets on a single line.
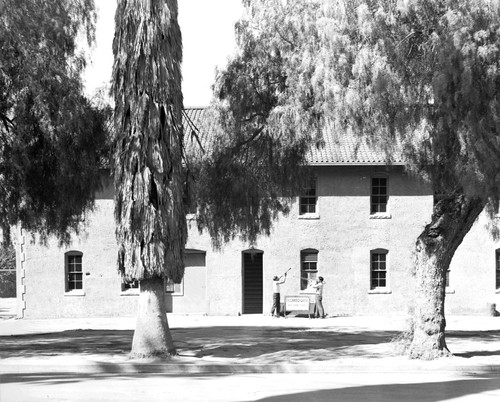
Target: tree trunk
[(152, 335), (452, 218)]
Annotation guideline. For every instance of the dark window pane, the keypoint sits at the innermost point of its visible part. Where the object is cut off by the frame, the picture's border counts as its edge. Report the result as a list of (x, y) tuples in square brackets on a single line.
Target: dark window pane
[(308, 257), (498, 270), (378, 270), (379, 195), (308, 200)]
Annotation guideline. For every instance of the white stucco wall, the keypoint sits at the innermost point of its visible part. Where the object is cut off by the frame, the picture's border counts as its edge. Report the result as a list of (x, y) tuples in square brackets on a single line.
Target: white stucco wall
[(343, 232)]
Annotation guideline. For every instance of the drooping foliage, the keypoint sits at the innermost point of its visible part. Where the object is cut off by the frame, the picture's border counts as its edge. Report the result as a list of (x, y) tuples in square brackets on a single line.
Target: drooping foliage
[(52, 139), (415, 77), (419, 76), (266, 119), (151, 224), (422, 75)]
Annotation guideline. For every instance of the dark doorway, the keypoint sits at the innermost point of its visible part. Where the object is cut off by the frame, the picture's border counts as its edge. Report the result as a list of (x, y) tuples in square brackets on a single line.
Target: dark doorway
[(252, 282)]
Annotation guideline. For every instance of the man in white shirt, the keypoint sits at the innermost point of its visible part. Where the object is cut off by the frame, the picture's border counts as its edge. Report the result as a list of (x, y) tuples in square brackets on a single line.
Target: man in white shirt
[(276, 295), (319, 311)]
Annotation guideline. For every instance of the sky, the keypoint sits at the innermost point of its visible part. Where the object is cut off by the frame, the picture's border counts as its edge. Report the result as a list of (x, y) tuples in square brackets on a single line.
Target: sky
[(207, 28)]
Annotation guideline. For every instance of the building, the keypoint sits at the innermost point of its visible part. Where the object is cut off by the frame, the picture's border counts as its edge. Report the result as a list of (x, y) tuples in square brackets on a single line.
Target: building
[(356, 226)]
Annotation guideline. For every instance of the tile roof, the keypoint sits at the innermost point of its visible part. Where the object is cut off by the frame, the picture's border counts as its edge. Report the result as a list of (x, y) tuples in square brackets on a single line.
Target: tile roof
[(333, 150)]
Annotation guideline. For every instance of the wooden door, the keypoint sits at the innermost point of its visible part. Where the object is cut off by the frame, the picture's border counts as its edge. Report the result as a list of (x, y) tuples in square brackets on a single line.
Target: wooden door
[(252, 282)]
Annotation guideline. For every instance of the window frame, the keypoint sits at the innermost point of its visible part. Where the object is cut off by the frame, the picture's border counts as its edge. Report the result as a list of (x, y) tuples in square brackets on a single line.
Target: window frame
[(376, 212), (306, 275), (75, 291), (309, 193), (497, 270), (129, 288), (188, 198), (385, 253), (178, 288)]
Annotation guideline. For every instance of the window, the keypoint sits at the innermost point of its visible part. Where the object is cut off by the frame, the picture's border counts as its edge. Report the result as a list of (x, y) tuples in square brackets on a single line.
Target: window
[(174, 288), (74, 271), (447, 278), (130, 286), (308, 199), (188, 197), (308, 267), (497, 276), (378, 269), (379, 195)]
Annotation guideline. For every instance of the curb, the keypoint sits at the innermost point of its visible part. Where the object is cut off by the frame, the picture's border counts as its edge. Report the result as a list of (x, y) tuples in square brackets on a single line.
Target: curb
[(214, 368)]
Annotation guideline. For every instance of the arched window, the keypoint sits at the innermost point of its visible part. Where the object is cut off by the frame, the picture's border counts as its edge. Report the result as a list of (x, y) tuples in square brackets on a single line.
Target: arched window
[(73, 271), (378, 268), (308, 267)]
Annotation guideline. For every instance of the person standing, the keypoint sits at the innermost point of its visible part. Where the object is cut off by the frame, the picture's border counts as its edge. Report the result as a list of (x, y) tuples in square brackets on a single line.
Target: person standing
[(319, 310), (277, 281)]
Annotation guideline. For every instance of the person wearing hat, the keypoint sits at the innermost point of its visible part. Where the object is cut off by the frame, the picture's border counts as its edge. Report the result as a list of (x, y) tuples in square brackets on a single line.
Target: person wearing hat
[(319, 311), (277, 281)]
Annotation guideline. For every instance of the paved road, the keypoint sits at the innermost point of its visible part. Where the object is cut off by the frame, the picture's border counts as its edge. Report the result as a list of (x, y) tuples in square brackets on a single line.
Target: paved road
[(250, 358), (386, 386)]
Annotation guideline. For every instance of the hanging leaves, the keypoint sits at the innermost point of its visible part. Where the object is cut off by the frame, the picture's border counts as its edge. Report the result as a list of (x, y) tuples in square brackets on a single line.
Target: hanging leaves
[(52, 139), (151, 225)]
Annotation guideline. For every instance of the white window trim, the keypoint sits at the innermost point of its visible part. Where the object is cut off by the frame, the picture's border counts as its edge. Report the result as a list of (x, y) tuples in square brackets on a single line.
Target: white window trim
[(380, 215), (310, 216), (380, 291), (74, 292)]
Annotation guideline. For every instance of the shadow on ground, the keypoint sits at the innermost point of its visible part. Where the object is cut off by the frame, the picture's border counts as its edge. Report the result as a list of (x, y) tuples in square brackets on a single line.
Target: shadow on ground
[(421, 392), (252, 343), (58, 378)]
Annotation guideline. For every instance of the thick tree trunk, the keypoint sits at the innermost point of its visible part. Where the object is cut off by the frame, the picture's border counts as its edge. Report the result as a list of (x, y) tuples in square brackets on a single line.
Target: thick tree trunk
[(152, 335), (452, 218)]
